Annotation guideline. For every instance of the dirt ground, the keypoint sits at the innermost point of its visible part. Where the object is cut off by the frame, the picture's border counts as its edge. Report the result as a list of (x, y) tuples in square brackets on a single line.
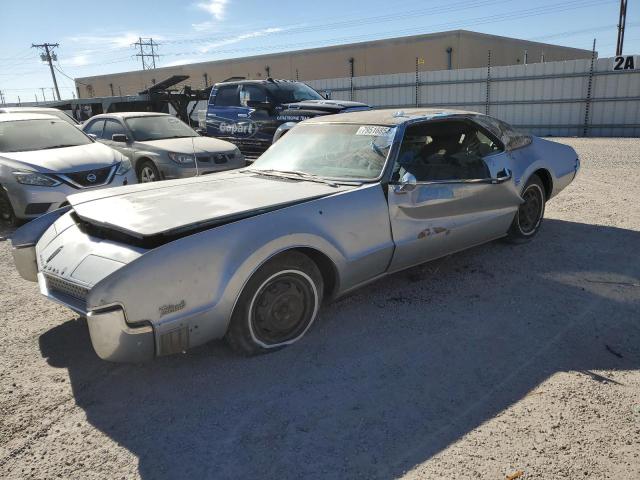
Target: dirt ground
[(499, 361)]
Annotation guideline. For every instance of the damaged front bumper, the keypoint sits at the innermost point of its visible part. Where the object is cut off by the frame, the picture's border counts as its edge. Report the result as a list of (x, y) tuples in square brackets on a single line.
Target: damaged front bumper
[(113, 339)]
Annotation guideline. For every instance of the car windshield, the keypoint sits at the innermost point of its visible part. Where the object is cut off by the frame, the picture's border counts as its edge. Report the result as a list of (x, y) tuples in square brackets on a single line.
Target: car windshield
[(332, 151), (30, 135), (292, 92), (158, 128)]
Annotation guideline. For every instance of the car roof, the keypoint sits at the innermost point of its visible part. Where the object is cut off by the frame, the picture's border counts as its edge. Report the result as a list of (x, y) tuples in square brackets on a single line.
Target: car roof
[(390, 117), (12, 117), (28, 109), (129, 115), (267, 81)]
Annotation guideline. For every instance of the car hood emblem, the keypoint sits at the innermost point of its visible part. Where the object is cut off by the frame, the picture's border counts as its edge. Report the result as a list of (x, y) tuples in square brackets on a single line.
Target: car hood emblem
[(91, 178)]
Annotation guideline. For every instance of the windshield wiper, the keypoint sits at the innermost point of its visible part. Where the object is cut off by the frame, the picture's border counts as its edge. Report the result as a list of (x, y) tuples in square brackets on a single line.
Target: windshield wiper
[(288, 173)]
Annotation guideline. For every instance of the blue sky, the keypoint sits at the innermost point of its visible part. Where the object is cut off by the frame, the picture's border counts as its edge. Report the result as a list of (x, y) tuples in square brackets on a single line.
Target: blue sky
[(96, 38)]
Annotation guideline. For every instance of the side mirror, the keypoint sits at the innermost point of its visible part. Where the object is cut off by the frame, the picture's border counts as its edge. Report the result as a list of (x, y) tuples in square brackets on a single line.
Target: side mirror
[(407, 183), (119, 137), (259, 105)]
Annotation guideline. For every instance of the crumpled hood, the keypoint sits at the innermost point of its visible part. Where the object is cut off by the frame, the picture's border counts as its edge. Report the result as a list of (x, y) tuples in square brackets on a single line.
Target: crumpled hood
[(188, 144), (175, 206), (63, 160)]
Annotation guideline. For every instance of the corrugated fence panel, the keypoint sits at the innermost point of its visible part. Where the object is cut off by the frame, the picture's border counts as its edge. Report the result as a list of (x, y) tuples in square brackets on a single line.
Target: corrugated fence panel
[(544, 98)]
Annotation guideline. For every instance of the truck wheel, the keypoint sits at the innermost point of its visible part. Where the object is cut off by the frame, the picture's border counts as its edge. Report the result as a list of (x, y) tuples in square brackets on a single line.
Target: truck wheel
[(528, 219), (277, 305)]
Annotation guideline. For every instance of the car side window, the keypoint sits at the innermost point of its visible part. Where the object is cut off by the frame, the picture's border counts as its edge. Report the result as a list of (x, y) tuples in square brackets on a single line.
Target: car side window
[(447, 150), (112, 127), (227, 97), (253, 93), (95, 128)]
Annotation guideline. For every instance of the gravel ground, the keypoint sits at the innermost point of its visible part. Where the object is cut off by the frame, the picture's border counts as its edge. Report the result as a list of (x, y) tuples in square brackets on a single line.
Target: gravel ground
[(502, 361)]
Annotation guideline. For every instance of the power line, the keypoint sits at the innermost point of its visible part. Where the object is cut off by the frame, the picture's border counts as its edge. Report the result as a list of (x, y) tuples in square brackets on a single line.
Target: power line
[(147, 51), (48, 56)]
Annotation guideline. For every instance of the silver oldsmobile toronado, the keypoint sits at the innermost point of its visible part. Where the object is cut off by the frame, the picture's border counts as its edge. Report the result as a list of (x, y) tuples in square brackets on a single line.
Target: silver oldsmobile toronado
[(250, 254)]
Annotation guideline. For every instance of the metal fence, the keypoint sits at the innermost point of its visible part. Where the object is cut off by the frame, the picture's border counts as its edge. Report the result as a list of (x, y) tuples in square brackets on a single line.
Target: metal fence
[(568, 98)]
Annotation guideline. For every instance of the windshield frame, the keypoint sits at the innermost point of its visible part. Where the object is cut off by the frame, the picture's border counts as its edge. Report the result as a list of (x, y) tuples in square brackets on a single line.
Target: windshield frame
[(136, 139), (391, 154)]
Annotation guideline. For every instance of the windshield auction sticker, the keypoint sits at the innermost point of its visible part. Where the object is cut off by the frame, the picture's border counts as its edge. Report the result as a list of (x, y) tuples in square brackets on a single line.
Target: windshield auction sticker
[(373, 130)]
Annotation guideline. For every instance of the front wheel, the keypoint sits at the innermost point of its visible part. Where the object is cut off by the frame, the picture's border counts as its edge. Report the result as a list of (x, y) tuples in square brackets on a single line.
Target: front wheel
[(148, 172), (7, 214), (277, 305), (528, 219)]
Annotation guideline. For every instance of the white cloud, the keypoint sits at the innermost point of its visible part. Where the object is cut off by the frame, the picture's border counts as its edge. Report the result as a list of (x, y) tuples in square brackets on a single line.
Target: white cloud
[(238, 38), (115, 41), (216, 8), (77, 60)]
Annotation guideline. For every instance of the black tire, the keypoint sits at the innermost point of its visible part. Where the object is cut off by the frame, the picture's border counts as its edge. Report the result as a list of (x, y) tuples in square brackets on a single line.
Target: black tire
[(148, 172), (528, 219), (7, 214), (277, 306)]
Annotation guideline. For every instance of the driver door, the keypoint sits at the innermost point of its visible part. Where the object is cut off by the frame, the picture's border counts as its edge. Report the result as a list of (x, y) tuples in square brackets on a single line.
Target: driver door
[(451, 189)]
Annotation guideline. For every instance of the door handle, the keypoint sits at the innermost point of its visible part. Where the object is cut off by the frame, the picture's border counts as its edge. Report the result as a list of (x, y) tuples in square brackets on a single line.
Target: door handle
[(243, 115)]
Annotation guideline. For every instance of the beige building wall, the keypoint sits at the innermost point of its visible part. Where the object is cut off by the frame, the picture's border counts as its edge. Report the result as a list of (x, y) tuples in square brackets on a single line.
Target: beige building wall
[(396, 55)]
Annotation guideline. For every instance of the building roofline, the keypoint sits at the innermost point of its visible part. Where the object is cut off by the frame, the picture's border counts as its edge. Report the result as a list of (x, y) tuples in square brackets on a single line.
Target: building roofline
[(329, 48)]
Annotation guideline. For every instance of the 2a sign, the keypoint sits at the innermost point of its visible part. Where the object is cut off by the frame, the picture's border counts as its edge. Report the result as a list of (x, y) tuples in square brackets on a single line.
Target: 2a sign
[(625, 62)]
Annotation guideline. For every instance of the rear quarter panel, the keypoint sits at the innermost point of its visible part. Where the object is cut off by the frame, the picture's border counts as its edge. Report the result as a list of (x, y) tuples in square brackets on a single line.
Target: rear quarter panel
[(558, 159)]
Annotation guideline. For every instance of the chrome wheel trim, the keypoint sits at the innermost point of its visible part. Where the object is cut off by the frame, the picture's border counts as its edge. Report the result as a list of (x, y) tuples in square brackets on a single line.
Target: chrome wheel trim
[(147, 174), (540, 197), (257, 293)]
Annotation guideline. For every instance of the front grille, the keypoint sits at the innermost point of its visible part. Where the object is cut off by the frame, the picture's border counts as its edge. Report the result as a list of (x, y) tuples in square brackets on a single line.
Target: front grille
[(65, 287), (89, 178)]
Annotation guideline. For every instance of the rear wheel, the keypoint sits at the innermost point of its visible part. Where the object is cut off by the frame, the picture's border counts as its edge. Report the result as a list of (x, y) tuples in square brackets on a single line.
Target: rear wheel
[(148, 172), (277, 305), (528, 219), (7, 215)]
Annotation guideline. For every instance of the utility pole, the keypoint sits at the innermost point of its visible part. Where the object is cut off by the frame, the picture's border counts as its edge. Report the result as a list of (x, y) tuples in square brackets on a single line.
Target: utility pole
[(48, 56), (44, 97), (147, 50), (621, 24)]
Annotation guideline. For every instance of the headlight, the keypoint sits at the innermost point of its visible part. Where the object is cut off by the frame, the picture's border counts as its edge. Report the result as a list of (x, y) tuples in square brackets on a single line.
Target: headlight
[(182, 158), (38, 179), (124, 167)]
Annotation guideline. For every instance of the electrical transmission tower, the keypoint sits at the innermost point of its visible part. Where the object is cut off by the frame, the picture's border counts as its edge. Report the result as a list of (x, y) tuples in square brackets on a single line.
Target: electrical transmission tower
[(147, 52), (47, 55)]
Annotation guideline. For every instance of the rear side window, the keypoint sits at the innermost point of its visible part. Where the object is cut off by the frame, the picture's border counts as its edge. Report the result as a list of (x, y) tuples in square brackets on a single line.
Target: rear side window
[(95, 128), (112, 127), (227, 97), (449, 150)]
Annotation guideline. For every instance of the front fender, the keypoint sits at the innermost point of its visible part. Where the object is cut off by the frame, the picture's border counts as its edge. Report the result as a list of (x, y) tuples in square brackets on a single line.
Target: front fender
[(24, 239), (191, 285)]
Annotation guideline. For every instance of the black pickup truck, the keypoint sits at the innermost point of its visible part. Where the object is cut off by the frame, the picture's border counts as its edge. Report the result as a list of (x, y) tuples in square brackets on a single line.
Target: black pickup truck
[(255, 113)]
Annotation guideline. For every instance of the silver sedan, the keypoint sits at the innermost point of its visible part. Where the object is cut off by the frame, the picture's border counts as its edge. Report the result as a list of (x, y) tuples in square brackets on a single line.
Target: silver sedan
[(162, 147), (250, 255), (44, 159)]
